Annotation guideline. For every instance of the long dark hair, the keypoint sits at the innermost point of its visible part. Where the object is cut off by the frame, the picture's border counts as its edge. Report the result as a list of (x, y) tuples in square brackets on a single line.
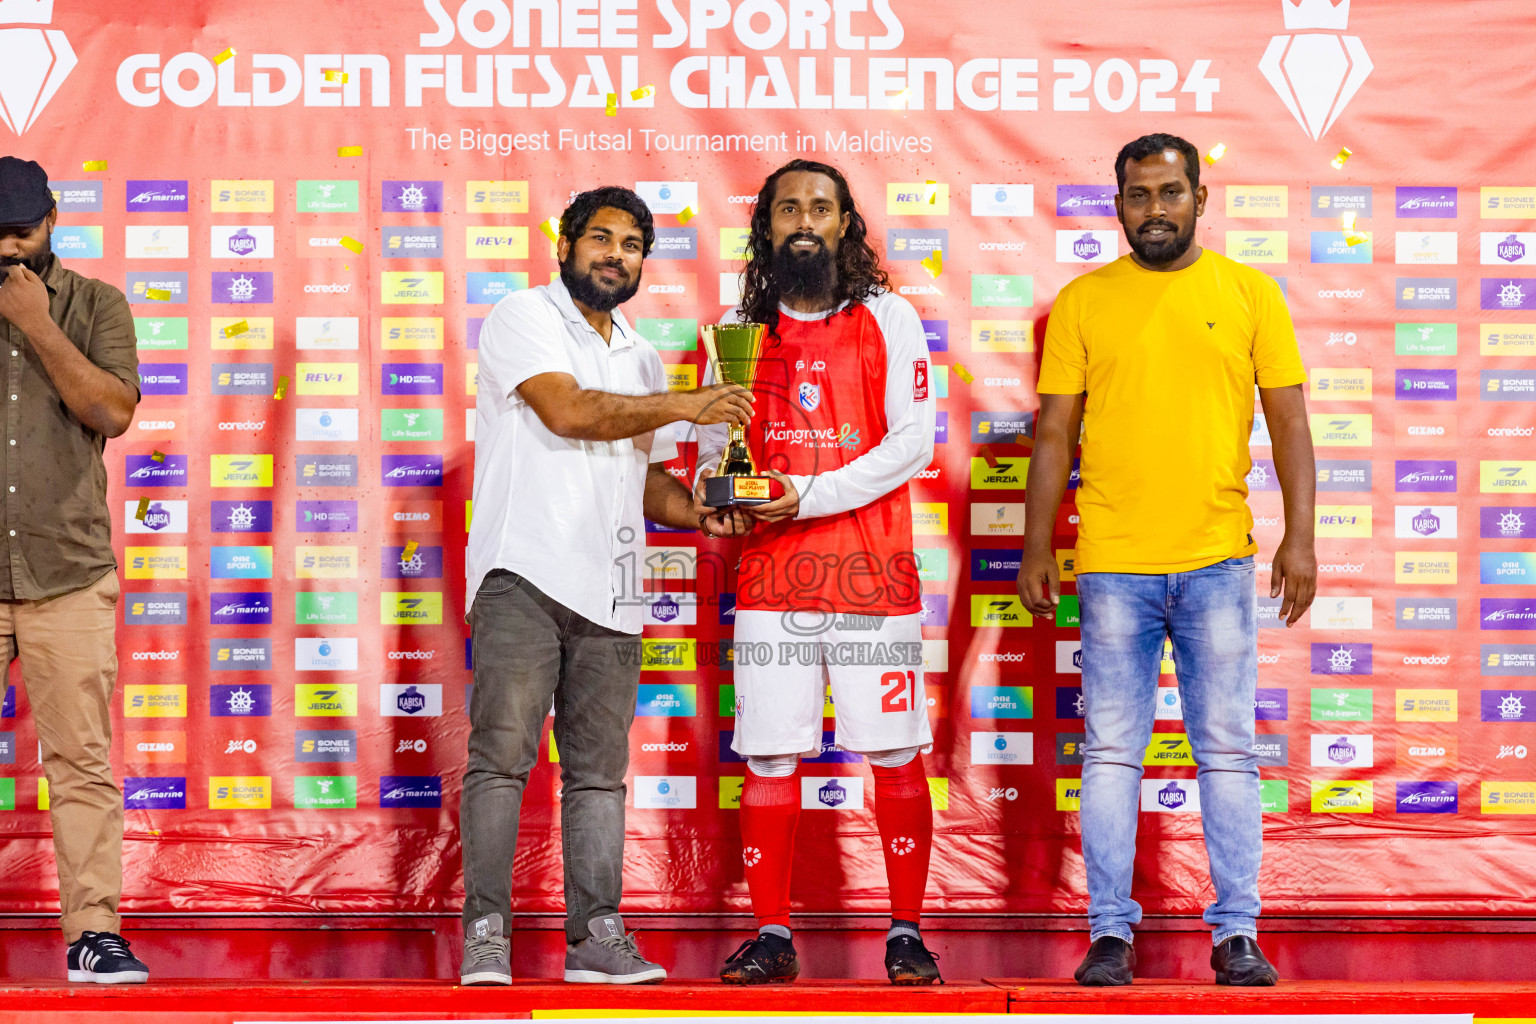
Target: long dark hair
[(859, 274)]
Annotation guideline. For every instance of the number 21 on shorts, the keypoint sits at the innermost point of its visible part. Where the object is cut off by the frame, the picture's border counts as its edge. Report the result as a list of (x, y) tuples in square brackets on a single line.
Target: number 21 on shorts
[(899, 691)]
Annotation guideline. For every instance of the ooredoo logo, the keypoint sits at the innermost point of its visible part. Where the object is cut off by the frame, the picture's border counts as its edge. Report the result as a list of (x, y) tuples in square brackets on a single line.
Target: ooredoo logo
[(1315, 73), (34, 61)]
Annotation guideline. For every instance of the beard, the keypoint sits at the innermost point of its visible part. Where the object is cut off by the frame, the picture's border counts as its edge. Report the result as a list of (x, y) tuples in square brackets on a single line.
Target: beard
[(807, 274), (37, 262), (595, 293), (1166, 251)]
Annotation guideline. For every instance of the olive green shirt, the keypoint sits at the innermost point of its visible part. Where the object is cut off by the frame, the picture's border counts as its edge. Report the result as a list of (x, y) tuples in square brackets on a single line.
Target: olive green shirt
[(57, 534)]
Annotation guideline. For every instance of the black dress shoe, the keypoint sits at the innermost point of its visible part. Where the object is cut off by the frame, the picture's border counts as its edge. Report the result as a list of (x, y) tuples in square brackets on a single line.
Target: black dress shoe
[(1239, 961), (1109, 962)]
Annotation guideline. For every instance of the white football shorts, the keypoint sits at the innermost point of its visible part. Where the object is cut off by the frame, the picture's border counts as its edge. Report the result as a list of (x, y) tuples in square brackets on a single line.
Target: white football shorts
[(784, 660)]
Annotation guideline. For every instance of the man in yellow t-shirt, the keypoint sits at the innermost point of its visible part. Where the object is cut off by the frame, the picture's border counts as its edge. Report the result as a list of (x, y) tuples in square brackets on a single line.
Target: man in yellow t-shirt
[(1152, 361)]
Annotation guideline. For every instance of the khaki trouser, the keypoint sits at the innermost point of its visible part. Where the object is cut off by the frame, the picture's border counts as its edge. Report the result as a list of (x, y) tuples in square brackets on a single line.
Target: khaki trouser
[(68, 653)]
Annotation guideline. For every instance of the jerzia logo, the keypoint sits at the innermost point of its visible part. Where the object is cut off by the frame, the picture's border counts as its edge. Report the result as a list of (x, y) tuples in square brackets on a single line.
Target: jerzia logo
[(33, 61), (1316, 73)]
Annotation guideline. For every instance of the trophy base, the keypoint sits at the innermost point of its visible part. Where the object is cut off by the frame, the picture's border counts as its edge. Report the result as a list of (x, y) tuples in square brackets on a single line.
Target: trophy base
[(740, 491)]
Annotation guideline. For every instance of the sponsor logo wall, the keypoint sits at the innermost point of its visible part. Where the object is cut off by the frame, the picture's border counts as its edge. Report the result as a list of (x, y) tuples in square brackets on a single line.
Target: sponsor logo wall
[(293, 655)]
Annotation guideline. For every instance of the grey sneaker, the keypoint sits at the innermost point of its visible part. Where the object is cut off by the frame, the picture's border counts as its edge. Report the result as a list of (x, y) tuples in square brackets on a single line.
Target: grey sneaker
[(609, 957), (487, 954)]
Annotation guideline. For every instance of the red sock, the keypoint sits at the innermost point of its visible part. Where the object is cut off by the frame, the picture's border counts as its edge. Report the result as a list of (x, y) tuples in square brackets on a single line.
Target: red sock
[(904, 813), (770, 810)]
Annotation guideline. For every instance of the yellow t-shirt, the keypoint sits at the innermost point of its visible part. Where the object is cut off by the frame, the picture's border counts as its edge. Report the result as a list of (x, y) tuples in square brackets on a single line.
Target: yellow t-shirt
[(1169, 362)]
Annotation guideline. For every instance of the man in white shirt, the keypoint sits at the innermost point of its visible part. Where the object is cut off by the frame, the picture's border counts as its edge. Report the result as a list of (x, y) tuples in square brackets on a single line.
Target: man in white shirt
[(572, 431)]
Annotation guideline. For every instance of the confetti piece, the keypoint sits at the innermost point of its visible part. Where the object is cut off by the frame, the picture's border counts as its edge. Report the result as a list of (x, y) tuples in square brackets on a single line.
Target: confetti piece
[(348, 242), (157, 456), (1338, 161), (94, 165), (227, 53), (282, 388), (930, 192), (1353, 238), (349, 151), (1217, 152), (986, 453), (644, 92), (143, 509), (612, 110), (238, 327), (158, 294), (551, 229), (335, 75), (1349, 221), (934, 264), (963, 373), (686, 216), (409, 552)]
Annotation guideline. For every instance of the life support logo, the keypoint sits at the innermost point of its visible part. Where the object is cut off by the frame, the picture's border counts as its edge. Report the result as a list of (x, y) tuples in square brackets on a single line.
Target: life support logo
[(1315, 73)]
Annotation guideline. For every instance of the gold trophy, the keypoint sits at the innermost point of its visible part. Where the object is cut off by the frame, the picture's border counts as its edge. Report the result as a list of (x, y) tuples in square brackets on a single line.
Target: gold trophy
[(734, 351)]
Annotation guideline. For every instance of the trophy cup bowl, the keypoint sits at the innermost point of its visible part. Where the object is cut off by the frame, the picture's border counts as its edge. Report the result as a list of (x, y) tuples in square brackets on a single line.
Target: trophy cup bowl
[(734, 351)]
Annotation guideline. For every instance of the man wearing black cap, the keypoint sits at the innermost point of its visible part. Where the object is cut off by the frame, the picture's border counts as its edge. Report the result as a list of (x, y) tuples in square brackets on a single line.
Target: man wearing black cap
[(71, 371)]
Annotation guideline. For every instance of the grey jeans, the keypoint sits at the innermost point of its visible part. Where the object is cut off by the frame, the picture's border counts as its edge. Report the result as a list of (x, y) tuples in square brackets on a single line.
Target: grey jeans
[(529, 649)]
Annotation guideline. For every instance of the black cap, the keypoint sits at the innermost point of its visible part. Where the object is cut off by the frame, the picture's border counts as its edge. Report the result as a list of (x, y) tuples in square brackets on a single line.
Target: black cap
[(25, 197)]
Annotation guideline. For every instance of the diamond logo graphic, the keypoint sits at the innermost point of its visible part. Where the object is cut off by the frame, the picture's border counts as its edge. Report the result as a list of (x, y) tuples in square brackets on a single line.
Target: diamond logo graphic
[(33, 61), (1315, 73)]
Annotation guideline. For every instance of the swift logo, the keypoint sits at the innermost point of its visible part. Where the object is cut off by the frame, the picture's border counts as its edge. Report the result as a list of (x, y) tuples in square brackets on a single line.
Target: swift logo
[(33, 62), (1315, 74)]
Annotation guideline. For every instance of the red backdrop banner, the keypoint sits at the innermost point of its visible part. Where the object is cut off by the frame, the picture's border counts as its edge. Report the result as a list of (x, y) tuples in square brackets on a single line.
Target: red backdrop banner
[(313, 205)]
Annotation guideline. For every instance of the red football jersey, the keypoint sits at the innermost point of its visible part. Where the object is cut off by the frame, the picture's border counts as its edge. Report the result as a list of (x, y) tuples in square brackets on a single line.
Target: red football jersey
[(844, 409)]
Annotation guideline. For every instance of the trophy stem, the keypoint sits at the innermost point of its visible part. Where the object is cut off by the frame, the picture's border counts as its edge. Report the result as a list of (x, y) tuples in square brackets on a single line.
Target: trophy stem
[(737, 459)]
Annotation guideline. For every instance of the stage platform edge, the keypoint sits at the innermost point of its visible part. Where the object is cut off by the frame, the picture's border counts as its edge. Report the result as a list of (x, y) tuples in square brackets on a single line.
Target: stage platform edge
[(233, 1002)]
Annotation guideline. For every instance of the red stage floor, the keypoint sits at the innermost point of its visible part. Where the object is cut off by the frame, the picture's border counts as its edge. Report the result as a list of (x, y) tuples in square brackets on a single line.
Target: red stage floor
[(227, 1002)]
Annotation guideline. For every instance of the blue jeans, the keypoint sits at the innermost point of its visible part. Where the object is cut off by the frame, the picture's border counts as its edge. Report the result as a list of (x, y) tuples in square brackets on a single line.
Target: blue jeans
[(1211, 616)]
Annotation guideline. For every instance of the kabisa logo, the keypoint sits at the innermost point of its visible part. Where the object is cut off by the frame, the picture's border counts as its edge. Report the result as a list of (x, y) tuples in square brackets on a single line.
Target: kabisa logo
[(664, 608), (1086, 247), (1172, 796), (242, 242), (33, 61), (1510, 249), (411, 701), (832, 794), (1316, 73), (810, 396)]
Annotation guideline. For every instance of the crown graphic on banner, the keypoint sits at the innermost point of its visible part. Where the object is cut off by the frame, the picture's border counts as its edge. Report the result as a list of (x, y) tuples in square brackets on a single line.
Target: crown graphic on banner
[(26, 12), (1321, 14)]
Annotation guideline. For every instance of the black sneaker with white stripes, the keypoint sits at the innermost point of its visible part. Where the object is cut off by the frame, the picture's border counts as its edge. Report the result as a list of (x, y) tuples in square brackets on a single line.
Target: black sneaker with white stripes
[(104, 958)]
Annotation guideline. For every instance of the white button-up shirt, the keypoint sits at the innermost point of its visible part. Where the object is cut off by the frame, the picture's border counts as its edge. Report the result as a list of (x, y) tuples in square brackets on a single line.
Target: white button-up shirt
[(564, 514)]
